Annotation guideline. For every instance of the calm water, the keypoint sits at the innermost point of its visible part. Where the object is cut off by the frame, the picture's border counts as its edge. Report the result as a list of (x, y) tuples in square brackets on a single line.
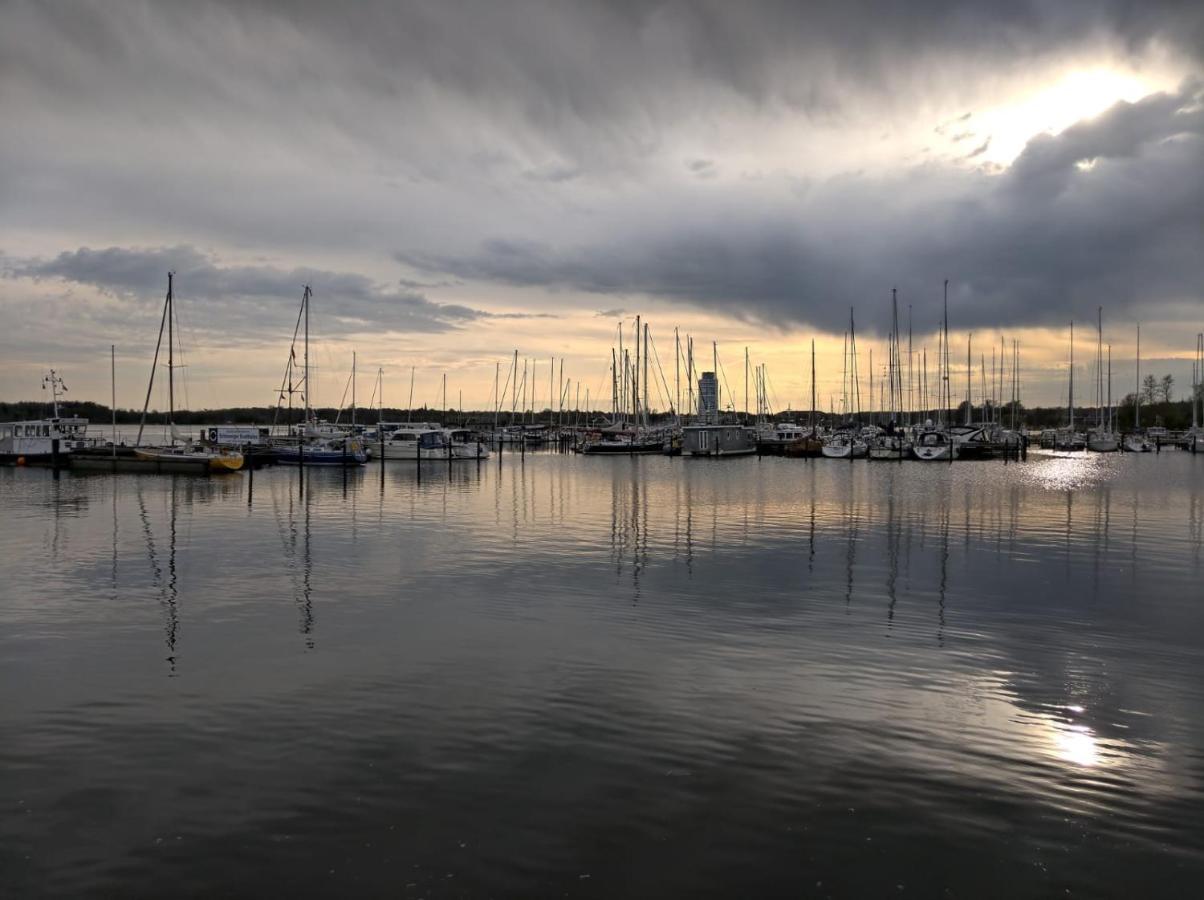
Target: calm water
[(591, 677)]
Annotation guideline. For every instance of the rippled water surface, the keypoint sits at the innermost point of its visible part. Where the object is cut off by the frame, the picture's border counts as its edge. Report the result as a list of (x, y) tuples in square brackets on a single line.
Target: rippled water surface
[(565, 676)]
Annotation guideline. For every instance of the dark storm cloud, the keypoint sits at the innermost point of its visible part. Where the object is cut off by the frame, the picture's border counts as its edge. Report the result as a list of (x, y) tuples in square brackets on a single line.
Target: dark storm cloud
[(259, 297), (503, 141), (1108, 212)]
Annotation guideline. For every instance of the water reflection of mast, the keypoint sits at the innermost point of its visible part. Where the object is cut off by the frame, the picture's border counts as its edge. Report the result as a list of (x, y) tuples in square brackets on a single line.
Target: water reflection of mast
[(892, 552), (947, 514), (307, 607), (811, 539), (167, 597), (172, 581), (113, 483), (851, 552), (638, 545)]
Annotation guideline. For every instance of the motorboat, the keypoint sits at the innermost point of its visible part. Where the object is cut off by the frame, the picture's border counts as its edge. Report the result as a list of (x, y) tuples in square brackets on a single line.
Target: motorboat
[(1135, 442)]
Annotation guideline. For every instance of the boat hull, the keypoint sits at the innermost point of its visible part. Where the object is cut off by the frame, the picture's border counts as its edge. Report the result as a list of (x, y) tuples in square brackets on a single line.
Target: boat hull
[(212, 462), (290, 456)]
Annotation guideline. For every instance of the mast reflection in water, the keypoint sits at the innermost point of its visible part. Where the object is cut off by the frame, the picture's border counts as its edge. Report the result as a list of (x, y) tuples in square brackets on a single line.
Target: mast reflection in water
[(548, 674)]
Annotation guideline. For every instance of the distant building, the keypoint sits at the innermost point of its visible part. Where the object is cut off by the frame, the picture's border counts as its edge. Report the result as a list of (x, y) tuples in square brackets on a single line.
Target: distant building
[(708, 397)]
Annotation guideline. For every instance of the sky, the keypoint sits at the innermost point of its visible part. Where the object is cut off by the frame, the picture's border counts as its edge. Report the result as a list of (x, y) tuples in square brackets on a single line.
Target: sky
[(458, 181)]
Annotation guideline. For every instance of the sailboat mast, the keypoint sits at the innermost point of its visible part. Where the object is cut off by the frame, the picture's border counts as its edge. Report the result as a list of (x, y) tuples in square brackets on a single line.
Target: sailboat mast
[(1109, 388), (676, 371), (171, 369), (353, 388), (911, 400), (1137, 393), (614, 386), (813, 387), (1099, 366), (644, 377), (305, 302), (154, 366), (635, 375), (969, 380), (1072, 376)]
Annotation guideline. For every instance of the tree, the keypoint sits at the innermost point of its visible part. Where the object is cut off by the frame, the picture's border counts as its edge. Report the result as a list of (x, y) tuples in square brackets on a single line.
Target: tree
[(1149, 389), (1166, 387)]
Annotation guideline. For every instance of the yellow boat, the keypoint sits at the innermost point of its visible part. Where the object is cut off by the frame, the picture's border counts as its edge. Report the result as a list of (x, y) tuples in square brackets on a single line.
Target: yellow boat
[(215, 460)]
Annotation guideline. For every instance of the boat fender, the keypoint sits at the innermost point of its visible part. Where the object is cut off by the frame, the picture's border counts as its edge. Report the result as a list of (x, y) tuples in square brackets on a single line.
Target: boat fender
[(20, 460)]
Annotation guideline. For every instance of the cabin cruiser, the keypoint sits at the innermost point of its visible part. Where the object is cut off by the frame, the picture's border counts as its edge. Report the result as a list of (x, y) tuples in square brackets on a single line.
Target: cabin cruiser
[(773, 439), (1135, 442), (40, 440), (31, 442), (426, 440), (976, 441)]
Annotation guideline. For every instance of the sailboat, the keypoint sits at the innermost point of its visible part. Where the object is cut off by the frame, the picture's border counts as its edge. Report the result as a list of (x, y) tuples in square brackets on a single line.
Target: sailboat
[(1101, 438), (187, 451), (1194, 438), (1135, 441), (316, 444), (890, 443), (932, 443), (1067, 438), (846, 442)]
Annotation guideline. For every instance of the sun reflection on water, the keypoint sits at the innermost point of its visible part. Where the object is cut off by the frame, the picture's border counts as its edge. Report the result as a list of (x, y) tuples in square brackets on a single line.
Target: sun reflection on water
[(1076, 744)]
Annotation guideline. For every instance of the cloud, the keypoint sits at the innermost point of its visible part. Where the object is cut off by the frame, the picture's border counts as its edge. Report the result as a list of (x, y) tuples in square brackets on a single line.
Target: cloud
[(979, 150), (1035, 245), (757, 159), (232, 298)]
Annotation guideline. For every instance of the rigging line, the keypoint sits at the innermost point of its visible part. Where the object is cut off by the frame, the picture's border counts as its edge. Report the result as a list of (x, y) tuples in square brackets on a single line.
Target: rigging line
[(286, 382), (723, 375), (343, 399), (770, 387), (666, 398)]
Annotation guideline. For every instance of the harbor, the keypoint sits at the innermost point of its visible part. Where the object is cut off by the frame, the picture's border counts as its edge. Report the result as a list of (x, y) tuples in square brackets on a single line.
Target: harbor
[(533, 450)]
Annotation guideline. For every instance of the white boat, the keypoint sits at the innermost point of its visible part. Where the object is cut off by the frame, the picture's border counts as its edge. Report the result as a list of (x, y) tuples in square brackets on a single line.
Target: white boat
[(31, 442), (932, 445), (1136, 442), (888, 447), (427, 441), (844, 445), (1100, 440)]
